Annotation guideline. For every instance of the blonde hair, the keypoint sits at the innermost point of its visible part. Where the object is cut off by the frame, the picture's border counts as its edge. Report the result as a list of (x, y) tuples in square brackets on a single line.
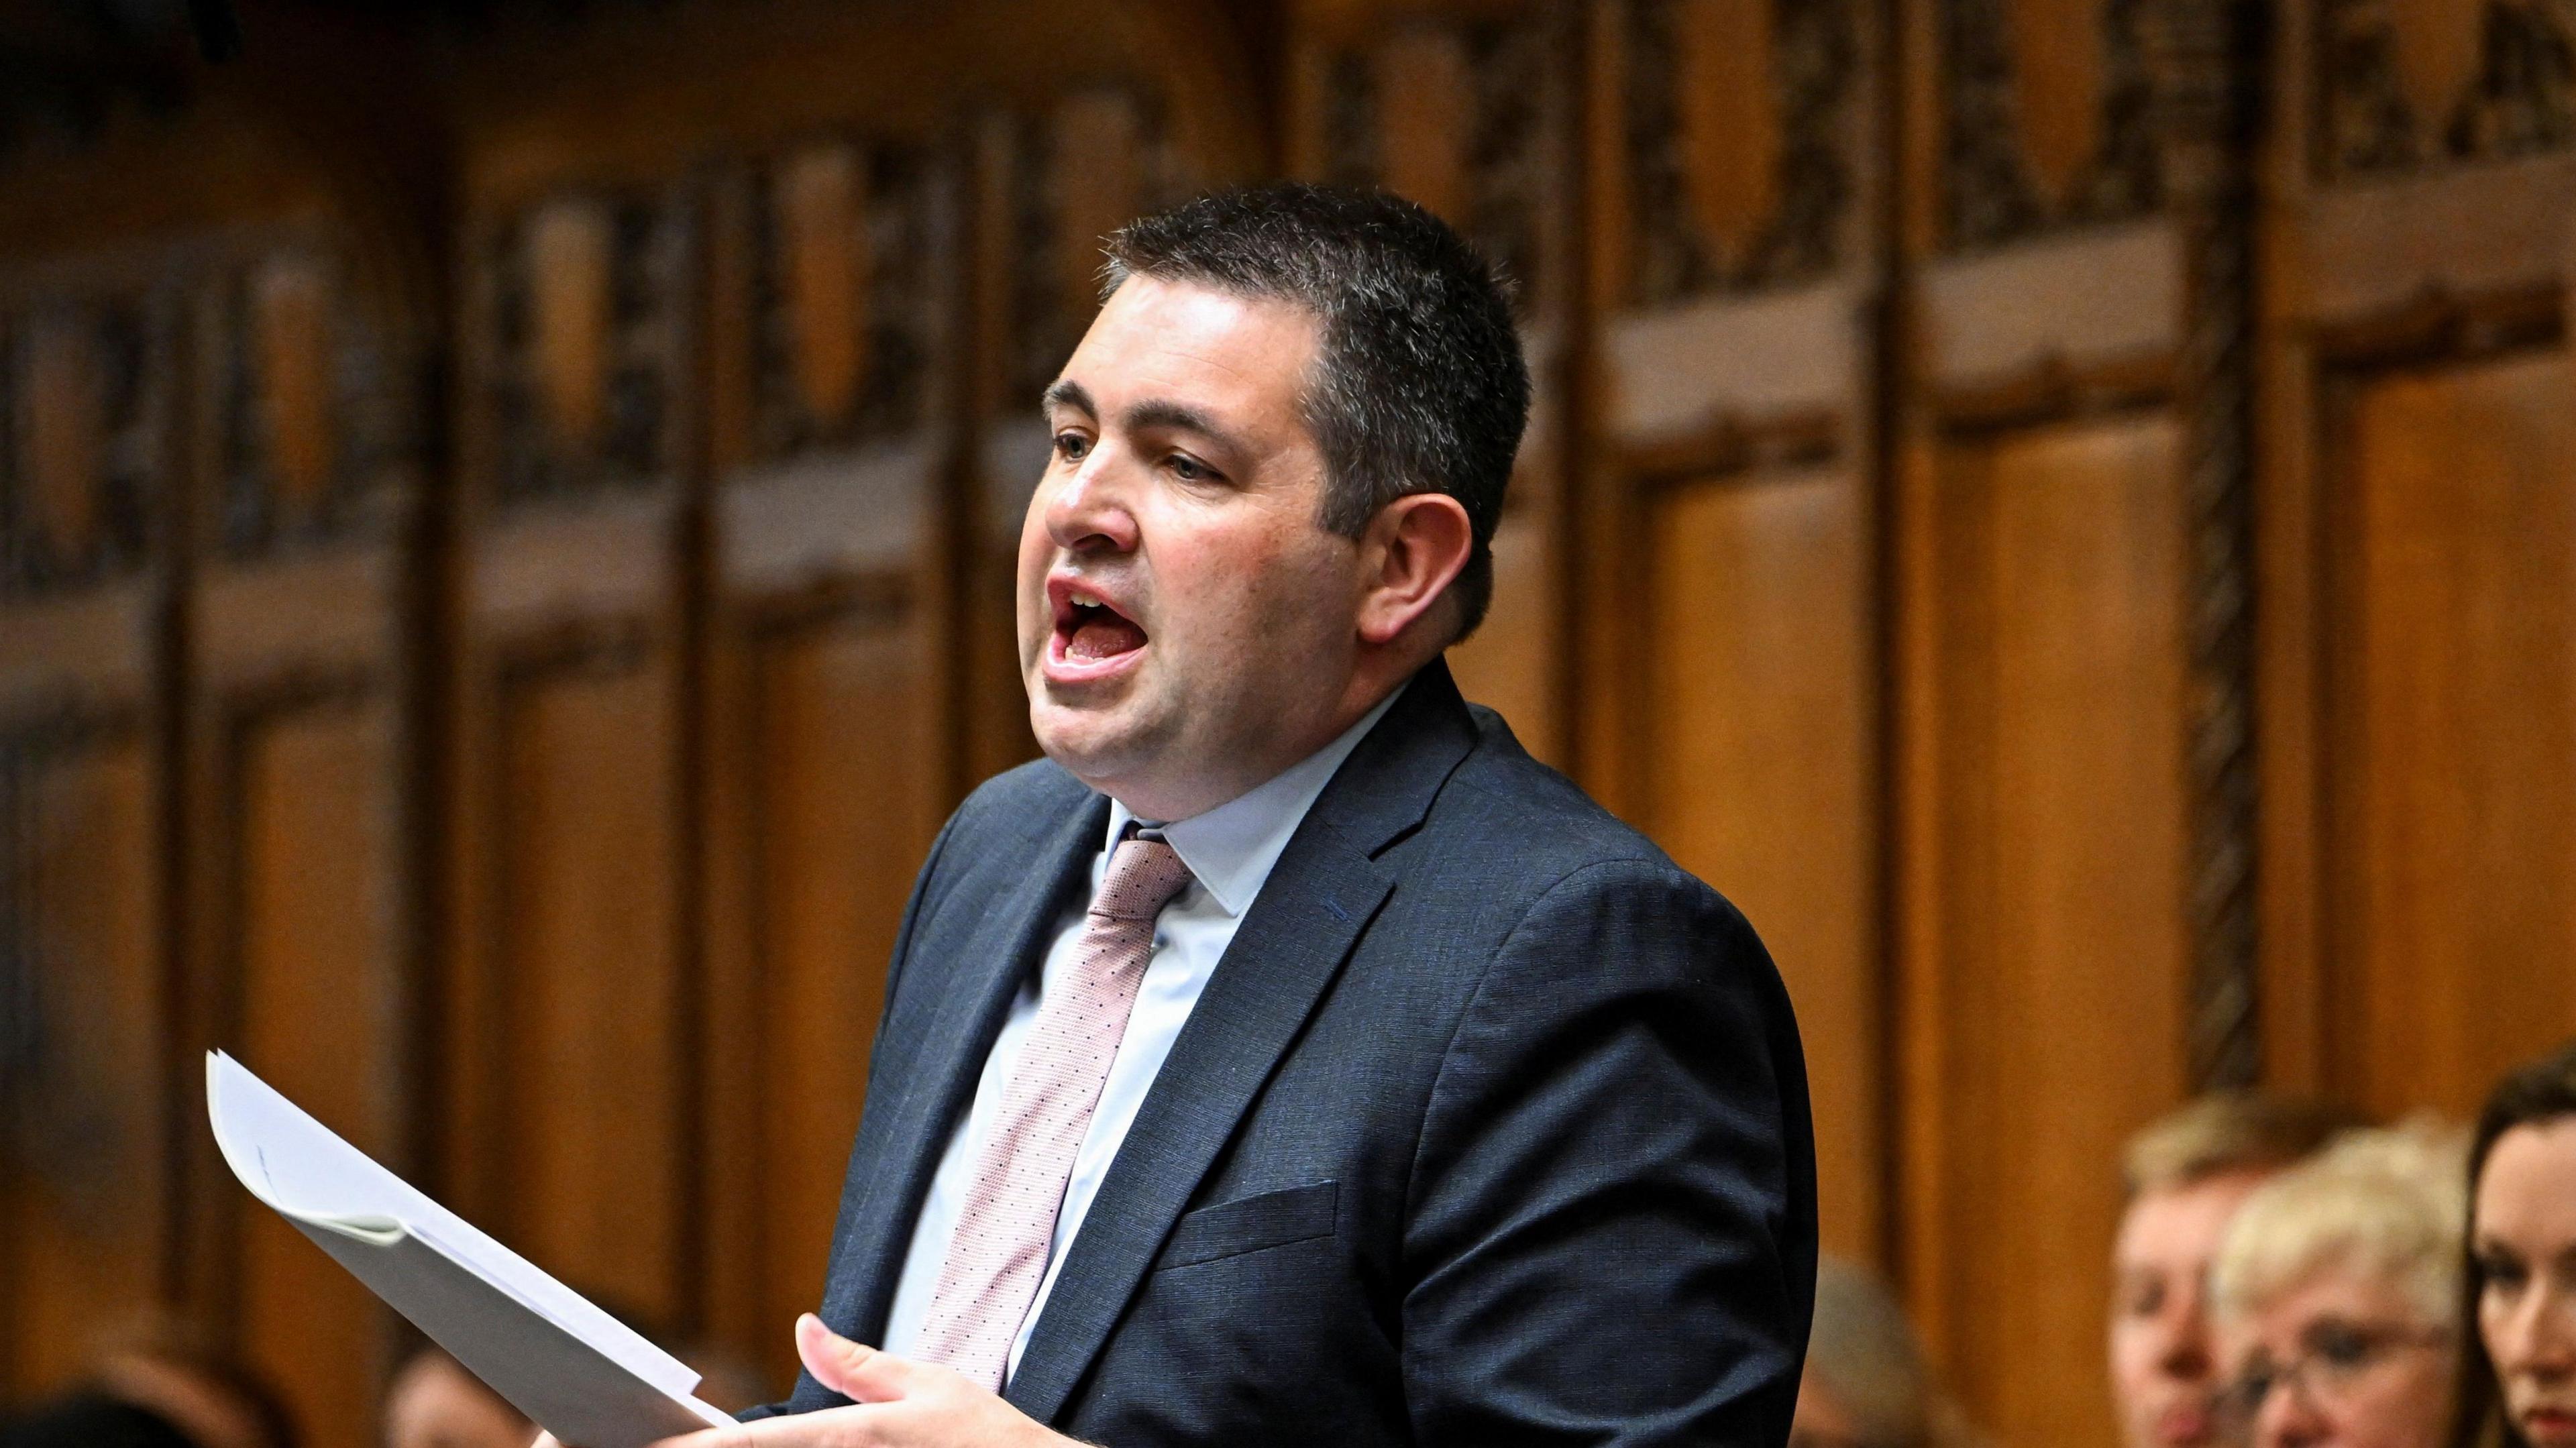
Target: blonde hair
[(2391, 1202), (2228, 1131)]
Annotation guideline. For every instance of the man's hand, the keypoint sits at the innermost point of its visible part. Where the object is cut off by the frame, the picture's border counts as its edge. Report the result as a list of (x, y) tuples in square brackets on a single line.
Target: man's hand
[(895, 1403)]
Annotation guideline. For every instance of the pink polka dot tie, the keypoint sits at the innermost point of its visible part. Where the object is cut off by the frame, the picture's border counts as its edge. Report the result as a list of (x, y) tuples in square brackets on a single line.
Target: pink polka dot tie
[(999, 1254)]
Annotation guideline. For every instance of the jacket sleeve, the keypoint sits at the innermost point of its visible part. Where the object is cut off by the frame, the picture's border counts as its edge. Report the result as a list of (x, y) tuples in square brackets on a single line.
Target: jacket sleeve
[(1612, 1235)]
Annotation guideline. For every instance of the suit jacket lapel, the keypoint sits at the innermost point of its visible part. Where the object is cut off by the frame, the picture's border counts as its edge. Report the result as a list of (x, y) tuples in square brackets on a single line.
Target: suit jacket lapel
[(1318, 900), (938, 1077)]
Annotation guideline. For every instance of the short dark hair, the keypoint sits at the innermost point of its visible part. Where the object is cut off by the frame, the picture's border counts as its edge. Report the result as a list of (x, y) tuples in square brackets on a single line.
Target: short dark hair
[(1419, 386)]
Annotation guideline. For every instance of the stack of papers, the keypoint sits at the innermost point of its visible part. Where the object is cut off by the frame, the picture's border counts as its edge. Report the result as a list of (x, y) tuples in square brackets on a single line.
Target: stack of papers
[(577, 1372)]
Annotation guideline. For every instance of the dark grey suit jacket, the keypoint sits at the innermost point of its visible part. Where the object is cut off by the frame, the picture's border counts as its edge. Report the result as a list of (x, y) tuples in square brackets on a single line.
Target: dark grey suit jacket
[(1490, 1128)]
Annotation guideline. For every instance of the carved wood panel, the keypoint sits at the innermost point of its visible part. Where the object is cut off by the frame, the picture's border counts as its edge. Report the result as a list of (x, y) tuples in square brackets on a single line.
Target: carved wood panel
[(569, 796), (2452, 692), (315, 925), (2046, 980), (1459, 113), (83, 1022), (2047, 118), (86, 385), (1763, 762), (581, 344), (1727, 580), (826, 791), (2415, 85), (845, 306), (317, 409), (1047, 184), (829, 754), (1738, 122)]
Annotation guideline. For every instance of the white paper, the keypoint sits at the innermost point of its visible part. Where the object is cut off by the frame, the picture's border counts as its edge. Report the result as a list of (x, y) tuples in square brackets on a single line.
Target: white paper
[(564, 1362)]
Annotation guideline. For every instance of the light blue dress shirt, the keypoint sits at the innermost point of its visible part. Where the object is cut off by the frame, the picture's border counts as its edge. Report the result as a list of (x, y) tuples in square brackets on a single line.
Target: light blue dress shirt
[(1230, 851)]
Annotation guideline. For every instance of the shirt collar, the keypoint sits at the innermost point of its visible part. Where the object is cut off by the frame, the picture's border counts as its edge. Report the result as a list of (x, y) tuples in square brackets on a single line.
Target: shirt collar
[(1231, 848)]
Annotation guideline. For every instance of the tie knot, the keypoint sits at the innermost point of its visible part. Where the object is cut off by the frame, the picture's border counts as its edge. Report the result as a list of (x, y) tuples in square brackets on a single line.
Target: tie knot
[(1142, 878)]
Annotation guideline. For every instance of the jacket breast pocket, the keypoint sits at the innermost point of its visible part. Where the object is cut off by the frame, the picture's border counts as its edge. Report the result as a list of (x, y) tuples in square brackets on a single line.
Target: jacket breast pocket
[(1252, 1224)]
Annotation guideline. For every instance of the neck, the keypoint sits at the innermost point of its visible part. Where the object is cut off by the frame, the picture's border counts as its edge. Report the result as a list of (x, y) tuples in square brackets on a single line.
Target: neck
[(1244, 770)]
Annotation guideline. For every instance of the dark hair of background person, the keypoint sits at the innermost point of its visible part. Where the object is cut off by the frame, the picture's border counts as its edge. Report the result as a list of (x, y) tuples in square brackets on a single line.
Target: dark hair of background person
[(1419, 387), (2541, 1091), (114, 1411), (92, 1420)]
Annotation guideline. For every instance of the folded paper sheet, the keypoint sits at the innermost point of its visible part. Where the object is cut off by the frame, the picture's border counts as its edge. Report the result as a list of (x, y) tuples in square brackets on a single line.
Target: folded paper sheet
[(578, 1372)]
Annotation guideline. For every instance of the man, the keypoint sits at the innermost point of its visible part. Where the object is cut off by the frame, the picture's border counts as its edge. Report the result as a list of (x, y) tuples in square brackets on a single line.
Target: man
[(1385, 1090), (2186, 1175)]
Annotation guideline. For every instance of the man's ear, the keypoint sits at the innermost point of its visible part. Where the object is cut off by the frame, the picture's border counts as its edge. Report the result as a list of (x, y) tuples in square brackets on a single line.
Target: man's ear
[(1413, 550)]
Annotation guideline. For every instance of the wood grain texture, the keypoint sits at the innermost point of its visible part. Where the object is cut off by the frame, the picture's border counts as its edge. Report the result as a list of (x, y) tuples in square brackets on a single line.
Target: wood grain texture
[(593, 1107), (317, 950), (1423, 112), (823, 263), (1729, 114), (83, 1247), (2062, 953), (1763, 702), (847, 806), (2456, 861), (1510, 664)]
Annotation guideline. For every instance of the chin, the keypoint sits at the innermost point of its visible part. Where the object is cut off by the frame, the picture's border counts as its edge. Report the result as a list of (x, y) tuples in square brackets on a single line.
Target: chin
[(1093, 745)]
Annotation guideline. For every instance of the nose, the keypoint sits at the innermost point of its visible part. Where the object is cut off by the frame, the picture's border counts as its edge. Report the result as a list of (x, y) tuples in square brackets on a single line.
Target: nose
[(2185, 1331), (2539, 1338), (1087, 510), (2290, 1419)]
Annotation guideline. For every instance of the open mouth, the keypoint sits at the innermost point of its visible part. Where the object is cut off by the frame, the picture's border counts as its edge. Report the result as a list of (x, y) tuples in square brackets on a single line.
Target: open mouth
[(1092, 636)]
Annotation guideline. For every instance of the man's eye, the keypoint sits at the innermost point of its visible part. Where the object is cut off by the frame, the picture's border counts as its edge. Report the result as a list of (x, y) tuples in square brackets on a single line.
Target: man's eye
[(2501, 1273), (1189, 469), (1072, 446)]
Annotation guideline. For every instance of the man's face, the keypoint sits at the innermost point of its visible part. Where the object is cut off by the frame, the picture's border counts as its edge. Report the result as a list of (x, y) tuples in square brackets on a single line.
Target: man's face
[(2163, 1365), (1186, 623)]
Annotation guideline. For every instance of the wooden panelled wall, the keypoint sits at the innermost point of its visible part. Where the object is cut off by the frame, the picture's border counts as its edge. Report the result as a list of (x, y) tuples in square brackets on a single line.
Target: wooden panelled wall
[(2061, 508)]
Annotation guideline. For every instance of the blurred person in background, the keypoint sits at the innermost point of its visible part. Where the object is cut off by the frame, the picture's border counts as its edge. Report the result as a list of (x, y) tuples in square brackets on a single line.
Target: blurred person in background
[(2336, 1296), (2186, 1175), (159, 1386), (434, 1403), (1865, 1384), (2518, 1374)]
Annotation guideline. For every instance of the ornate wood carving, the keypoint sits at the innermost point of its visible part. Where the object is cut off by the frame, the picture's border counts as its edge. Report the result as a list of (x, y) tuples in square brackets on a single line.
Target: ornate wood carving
[(1048, 166), (588, 344), (2405, 87), (1681, 245), (892, 305), (1992, 192), (1042, 334), (1500, 167), (1507, 153), (311, 407), (2209, 60), (84, 385)]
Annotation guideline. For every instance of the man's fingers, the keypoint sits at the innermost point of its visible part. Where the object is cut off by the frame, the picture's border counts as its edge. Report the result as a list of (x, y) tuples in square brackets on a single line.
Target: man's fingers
[(856, 1371)]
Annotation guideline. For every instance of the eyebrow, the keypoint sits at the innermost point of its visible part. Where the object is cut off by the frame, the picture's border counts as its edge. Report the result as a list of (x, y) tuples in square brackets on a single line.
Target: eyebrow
[(1169, 416), (1065, 392), (1154, 412)]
